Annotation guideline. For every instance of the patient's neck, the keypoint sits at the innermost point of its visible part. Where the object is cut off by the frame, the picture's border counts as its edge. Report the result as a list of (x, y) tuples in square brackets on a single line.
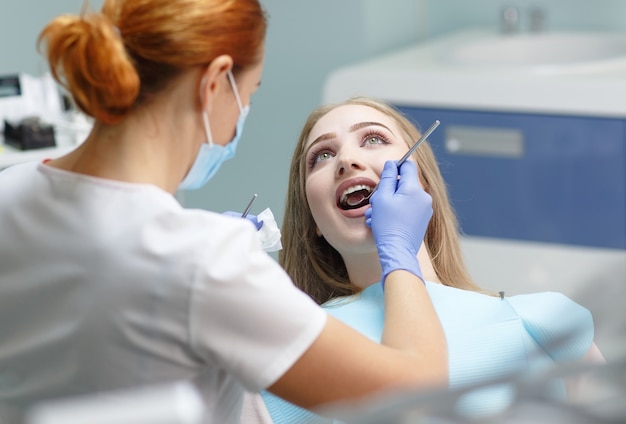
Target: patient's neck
[(364, 268)]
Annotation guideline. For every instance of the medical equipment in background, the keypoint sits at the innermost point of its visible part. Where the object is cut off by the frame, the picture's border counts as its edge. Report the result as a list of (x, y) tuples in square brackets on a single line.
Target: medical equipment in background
[(533, 150), (42, 121), (24, 96), (29, 133)]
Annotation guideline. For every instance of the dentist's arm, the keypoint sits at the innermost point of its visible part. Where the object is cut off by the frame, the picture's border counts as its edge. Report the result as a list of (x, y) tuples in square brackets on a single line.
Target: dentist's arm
[(342, 364)]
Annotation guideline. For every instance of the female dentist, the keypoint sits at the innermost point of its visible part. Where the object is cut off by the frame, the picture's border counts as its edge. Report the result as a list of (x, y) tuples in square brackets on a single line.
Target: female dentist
[(106, 282)]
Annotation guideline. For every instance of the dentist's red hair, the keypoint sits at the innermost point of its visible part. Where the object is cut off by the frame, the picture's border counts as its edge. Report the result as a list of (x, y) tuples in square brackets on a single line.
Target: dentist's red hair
[(114, 60)]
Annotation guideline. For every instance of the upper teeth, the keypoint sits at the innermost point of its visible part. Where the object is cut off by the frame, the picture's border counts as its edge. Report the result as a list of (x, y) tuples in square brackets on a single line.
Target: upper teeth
[(353, 189)]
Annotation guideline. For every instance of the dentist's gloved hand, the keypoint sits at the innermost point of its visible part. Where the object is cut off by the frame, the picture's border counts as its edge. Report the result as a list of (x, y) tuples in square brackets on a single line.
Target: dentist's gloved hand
[(252, 218), (398, 217)]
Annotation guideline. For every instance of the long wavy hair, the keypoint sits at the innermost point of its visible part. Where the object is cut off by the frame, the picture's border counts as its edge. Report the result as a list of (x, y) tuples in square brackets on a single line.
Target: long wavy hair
[(316, 267), (113, 61)]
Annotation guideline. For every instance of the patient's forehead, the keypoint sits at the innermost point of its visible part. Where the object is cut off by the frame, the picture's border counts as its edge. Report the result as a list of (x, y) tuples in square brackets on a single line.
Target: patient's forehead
[(341, 118)]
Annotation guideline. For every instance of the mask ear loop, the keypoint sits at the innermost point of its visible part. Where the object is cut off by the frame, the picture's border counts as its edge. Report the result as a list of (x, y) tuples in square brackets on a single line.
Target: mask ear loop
[(205, 116), (233, 84)]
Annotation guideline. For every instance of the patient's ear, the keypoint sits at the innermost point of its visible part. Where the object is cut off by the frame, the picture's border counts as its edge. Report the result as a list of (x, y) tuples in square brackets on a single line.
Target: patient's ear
[(318, 232)]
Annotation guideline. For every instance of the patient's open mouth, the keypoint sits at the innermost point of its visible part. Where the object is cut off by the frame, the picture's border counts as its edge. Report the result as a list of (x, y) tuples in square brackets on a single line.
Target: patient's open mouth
[(355, 197)]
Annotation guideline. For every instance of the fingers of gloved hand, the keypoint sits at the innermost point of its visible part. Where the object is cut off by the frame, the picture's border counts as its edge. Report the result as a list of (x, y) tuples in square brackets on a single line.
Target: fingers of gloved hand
[(409, 186), (388, 181), (399, 215), (394, 200), (252, 218), (408, 177), (368, 217)]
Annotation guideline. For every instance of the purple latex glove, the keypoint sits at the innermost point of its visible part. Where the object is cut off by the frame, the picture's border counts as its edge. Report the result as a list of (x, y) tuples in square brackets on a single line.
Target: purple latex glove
[(398, 217)]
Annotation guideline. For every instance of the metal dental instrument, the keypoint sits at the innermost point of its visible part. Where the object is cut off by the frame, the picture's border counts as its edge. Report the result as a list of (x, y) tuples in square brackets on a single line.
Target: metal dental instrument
[(420, 141), (245, 212)]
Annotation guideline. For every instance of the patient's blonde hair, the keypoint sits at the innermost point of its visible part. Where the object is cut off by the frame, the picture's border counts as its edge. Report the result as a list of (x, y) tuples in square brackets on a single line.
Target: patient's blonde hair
[(316, 267)]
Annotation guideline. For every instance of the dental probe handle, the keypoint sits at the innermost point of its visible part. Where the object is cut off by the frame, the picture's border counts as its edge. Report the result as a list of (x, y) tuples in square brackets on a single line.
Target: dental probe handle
[(245, 212), (420, 141)]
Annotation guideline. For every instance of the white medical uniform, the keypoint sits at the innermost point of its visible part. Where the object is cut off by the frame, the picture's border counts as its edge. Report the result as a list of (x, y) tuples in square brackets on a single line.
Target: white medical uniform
[(107, 285)]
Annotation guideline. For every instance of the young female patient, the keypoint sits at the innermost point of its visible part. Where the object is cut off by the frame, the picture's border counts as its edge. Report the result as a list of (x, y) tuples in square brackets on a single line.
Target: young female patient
[(330, 253)]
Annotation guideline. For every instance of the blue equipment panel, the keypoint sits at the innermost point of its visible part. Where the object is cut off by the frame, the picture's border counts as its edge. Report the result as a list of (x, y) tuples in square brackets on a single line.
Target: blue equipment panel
[(565, 183)]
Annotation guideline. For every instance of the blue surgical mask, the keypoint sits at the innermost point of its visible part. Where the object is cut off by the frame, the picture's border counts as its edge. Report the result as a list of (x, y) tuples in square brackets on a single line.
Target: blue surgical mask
[(211, 155)]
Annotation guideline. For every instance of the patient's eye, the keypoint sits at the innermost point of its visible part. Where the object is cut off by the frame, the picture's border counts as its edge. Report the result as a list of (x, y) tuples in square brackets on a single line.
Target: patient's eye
[(374, 137), (317, 156)]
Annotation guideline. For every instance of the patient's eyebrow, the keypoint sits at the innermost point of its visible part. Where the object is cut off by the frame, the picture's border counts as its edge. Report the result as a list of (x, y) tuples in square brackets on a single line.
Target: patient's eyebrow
[(360, 125)]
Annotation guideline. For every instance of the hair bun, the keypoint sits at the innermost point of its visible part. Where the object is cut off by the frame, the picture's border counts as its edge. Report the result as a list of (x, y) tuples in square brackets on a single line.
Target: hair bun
[(87, 57)]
